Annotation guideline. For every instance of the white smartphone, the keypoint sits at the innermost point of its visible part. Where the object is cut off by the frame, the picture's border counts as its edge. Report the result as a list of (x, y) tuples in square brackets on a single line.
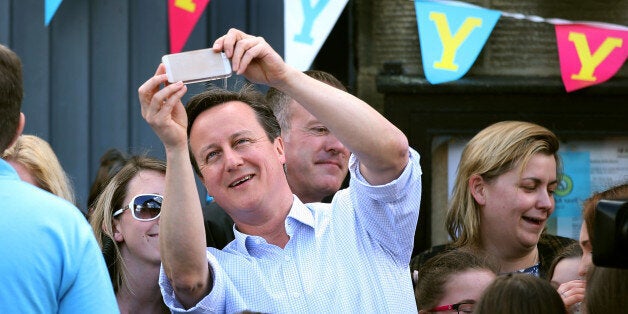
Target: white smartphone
[(196, 66)]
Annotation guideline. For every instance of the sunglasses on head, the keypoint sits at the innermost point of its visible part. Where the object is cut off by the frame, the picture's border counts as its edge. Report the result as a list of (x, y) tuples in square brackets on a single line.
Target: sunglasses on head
[(144, 207)]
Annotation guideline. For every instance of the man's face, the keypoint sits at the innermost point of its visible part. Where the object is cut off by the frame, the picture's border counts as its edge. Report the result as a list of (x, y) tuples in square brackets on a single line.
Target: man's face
[(316, 162), (242, 169)]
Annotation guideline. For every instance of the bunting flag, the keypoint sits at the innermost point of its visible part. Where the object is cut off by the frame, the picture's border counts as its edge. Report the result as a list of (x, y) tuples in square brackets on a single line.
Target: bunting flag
[(50, 8), (451, 35), (182, 17), (591, 53), (307, 23)]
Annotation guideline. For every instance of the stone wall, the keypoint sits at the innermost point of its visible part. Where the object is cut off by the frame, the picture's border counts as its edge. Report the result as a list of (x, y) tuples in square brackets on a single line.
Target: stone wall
[(386, 31)]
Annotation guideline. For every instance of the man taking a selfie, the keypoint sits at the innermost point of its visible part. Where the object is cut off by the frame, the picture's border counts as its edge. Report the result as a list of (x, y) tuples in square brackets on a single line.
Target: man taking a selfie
[(347, 256)]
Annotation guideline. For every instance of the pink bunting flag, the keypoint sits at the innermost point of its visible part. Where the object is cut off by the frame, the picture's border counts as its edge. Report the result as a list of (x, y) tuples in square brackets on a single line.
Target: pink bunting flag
[(182, 17), (590, 53)]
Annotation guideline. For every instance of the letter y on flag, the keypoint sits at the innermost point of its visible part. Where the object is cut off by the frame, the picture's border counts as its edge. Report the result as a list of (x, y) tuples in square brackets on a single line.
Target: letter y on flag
[(590, 53), (451, 35)]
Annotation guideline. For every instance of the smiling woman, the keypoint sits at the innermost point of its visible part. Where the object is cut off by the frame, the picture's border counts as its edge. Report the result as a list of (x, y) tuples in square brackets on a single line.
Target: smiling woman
[(503, 196), (125, 221)]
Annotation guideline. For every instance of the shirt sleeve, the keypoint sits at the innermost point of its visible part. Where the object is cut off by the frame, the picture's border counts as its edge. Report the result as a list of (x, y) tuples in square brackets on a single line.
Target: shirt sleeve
[(389, 213), (213, 302)]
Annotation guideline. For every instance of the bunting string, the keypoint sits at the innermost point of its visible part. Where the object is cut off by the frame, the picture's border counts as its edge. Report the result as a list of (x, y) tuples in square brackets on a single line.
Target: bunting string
[(531, 18), (453, 33)]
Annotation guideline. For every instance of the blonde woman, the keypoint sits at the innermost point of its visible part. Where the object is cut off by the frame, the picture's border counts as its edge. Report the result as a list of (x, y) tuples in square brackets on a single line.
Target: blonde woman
[(36, 163), (503, 196), (125, 221)]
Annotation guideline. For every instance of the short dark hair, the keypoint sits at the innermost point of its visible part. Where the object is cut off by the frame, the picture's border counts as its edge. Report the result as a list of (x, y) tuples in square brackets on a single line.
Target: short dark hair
[(520, 293), (605, 286), (214, 96), (11, 93), (278, 100), (436, 272)]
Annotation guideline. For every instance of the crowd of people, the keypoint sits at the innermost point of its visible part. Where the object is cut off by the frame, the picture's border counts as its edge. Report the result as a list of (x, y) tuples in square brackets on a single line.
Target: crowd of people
[(315, 204)]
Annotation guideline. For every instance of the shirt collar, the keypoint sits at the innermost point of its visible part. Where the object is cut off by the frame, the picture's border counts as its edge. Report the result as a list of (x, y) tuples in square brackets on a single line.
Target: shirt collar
[(299, 213)]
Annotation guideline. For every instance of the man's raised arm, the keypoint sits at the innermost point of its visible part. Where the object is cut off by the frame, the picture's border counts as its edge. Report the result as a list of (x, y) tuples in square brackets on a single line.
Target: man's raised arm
[(181, 230), (380, 146)]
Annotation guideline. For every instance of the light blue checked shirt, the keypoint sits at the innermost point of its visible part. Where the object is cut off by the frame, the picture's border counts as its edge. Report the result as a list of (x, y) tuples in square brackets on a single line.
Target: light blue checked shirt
[(351, 255)]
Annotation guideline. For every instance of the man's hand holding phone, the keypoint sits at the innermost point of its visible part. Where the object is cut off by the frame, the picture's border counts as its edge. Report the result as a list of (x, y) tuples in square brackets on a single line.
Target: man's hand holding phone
[(196, 66)]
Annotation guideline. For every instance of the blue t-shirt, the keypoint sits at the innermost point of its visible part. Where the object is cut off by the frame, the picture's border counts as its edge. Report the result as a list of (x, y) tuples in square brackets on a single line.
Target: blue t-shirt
[(50, 261)]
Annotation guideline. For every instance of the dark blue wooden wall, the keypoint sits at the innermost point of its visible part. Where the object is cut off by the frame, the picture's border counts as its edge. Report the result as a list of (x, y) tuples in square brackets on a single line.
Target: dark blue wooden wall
[(82, 72)]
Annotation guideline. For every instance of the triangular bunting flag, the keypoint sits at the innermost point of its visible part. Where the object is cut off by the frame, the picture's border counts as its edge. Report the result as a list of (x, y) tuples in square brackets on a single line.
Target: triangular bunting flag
[(306, 27), (182, 17), (50, 8), (590, 54), (451, 35)]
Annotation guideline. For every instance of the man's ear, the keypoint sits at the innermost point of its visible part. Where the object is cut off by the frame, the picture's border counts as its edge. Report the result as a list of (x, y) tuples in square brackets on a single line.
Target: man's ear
[(477, 187), (280, 149), (19, 130)]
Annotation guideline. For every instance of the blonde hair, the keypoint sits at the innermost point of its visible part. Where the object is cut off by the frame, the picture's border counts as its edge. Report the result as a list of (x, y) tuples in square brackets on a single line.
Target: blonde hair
[(36, 155), (495, 150), (110, 200)]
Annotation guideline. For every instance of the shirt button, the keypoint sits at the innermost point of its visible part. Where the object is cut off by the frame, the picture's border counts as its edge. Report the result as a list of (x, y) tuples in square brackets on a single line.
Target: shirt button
[(295, 295), (287, 258)]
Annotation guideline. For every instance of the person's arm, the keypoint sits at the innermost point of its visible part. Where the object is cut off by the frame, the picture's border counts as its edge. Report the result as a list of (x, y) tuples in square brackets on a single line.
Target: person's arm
[(181, 230), (380, 146)]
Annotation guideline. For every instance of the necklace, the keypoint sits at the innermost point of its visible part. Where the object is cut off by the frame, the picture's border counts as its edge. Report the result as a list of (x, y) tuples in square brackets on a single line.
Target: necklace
[(535, 261), (534, 269)]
